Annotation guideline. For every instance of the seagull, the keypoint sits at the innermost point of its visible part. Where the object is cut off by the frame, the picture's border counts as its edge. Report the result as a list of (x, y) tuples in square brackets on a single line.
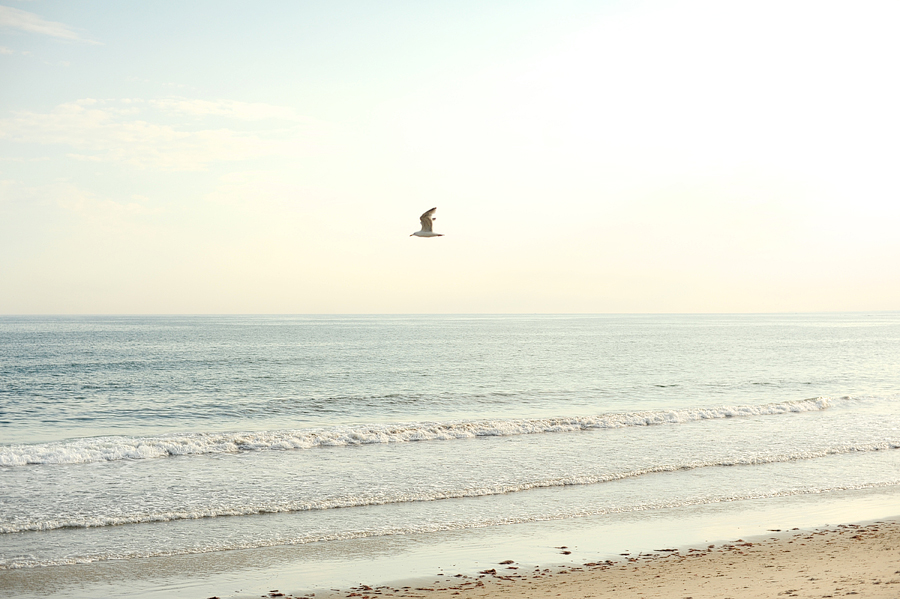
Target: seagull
[(426, 226)]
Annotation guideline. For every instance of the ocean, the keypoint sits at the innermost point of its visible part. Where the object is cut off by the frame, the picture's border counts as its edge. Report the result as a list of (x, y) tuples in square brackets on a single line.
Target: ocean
[(190, 453)]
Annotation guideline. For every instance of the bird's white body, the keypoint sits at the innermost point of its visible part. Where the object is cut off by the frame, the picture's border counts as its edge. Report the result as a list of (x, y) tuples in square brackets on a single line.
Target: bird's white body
[(426, 220)]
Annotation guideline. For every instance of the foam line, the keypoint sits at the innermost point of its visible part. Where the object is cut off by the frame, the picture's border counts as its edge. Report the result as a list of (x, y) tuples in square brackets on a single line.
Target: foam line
[(101, 449), (19, 562), (408, 497)]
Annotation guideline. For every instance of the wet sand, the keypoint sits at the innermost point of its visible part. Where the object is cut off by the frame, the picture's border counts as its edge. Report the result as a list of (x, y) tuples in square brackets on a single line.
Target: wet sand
[(861, 560)]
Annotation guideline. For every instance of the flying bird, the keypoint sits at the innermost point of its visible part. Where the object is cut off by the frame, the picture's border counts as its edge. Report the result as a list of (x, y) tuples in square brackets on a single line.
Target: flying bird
[(426, 231)]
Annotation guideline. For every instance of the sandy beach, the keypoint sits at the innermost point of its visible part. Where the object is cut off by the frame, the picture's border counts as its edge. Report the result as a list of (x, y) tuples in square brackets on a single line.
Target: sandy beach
[(854, 559)]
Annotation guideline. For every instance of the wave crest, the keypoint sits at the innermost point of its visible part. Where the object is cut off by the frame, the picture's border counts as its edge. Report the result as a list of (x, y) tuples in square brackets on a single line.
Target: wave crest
[(101, 449), (433, 495)]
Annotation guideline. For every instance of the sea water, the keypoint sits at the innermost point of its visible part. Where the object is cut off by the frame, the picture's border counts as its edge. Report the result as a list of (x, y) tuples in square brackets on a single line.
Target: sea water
[(134, 439)]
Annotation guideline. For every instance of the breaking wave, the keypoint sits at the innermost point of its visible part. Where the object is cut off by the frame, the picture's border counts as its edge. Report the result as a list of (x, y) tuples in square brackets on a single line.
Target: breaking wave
[(104, 449), (19, 562), (363, 500)]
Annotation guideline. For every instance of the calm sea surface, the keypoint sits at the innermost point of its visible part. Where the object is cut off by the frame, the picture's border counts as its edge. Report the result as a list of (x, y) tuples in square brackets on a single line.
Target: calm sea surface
[(135, 437)]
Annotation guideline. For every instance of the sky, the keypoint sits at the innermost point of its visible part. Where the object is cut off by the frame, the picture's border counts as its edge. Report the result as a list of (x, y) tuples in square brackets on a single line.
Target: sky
[(216, 157)]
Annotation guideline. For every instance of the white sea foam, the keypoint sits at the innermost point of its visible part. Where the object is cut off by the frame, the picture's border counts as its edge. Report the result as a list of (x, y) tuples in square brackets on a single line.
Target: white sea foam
[(100, 449), (363, 500), (29, 561)]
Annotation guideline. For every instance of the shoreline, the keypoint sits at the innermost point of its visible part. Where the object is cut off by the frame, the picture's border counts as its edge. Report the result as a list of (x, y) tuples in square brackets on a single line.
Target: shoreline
[(848, 559), (443, 561)]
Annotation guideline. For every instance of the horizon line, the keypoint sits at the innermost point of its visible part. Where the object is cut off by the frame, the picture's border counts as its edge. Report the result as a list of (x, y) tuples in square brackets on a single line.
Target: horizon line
[(197, 314)]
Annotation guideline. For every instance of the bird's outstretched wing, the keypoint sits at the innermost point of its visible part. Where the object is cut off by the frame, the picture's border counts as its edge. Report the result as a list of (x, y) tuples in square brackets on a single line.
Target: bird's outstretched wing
[(426, 219)]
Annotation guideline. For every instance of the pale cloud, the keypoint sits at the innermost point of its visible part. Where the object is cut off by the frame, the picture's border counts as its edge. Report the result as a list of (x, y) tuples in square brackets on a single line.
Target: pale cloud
[(99, 210), (129, 131), (82, 212), (228, 108), (15, 18), (5, 50)]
